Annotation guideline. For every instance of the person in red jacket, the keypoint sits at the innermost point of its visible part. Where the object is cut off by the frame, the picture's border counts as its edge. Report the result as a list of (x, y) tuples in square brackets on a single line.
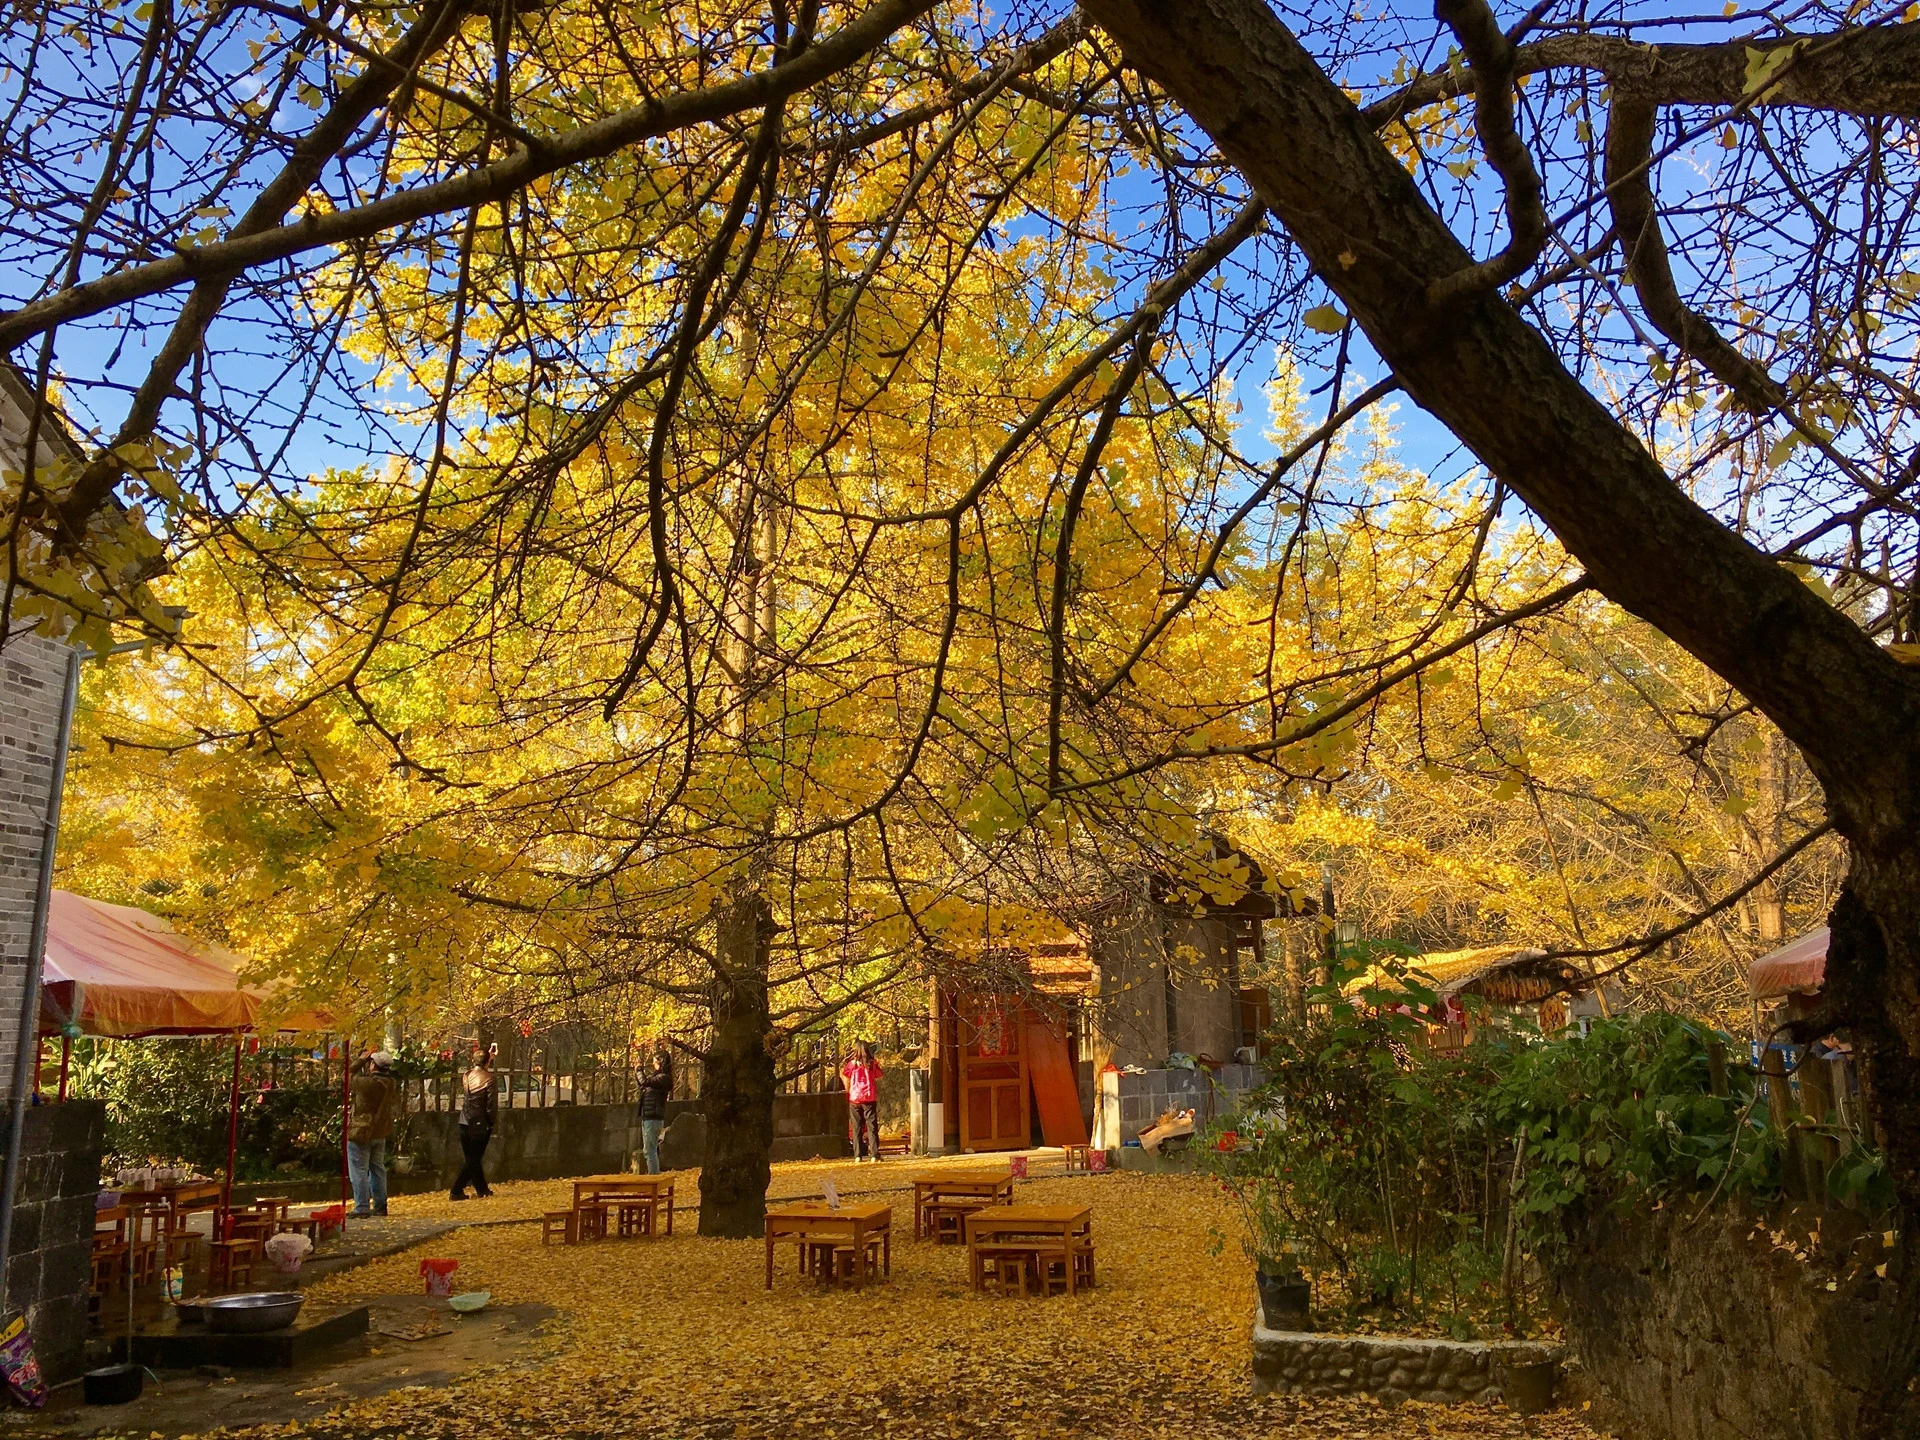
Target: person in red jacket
[(862, 1074)]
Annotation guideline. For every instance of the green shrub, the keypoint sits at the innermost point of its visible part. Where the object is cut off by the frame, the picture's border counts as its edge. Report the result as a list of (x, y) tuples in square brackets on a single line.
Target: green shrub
[(1389, 1166), (167, 1104)]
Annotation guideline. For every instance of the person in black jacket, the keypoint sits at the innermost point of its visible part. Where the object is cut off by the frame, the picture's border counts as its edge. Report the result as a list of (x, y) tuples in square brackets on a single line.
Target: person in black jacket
[(478, 1108), (655, 1086)]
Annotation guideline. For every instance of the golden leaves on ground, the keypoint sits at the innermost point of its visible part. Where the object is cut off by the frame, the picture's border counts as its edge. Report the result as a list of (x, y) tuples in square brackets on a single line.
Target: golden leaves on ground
[(678, 1338)]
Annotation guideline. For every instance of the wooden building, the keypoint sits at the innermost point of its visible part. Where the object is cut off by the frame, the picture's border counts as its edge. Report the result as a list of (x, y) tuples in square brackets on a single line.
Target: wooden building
[(1014, 1061)]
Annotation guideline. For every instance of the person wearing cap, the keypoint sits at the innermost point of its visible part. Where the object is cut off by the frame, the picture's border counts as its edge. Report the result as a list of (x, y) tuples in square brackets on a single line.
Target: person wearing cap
[(374, 1108)]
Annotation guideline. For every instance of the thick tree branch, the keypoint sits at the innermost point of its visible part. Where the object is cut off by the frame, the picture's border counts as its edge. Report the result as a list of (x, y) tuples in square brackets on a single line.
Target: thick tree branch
[(1490, 56), (357, 103), (1871, 71), (1629, 178), (1498, 386)]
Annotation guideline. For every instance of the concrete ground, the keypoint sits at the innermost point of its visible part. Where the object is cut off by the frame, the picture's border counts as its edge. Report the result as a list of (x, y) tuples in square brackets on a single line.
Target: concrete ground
[(181, 1402)]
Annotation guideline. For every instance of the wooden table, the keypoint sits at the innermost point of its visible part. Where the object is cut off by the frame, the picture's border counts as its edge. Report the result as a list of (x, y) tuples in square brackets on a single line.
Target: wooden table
[(990, 1187), (811, 1222), (1051, 1223), (614, 1188), (175, 1199)]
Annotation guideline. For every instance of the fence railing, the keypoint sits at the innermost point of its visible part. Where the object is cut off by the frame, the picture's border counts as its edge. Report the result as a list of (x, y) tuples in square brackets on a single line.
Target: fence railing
[(1815, 1105)]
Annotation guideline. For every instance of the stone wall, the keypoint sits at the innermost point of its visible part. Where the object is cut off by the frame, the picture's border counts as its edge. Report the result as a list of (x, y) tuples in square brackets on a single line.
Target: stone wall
[(1393, 1369), (1719, 1329), (1130, 1103), (569, 1140), (49, 1268)]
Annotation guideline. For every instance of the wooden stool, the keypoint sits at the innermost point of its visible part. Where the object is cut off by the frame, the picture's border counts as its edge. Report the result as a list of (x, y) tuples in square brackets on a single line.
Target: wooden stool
[(592, 1224), (254, 1225), (1077, 1159), (1009, 1268), (833, 1264), (143, 1261), (109, 1259), (946, 1219), (1051, 1270), (182, 1245), (817, 1259), (635, 1217), (564, 1223), (230, 1263)]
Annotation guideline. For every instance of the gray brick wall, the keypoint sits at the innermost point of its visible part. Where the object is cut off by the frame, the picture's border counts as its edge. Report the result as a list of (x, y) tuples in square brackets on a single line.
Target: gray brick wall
[(32, 681)]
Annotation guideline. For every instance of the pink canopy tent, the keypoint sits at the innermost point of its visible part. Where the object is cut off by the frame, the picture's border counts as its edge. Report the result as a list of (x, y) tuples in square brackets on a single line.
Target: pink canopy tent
[(122, 973), (1796, 969)]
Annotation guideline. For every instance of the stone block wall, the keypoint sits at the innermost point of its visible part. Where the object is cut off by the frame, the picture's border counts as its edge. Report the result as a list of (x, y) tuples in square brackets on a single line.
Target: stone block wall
[(1130, 1103), (1392, 1369), (1726, 1327), (49, 1269), (571, 1140)]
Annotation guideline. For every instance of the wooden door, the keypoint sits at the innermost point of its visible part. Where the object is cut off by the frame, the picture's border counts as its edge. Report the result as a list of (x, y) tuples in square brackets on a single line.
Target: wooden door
[(994, 1104)]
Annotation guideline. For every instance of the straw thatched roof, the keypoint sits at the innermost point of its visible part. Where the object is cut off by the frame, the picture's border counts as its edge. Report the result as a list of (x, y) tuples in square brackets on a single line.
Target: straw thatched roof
[(1499, 974)]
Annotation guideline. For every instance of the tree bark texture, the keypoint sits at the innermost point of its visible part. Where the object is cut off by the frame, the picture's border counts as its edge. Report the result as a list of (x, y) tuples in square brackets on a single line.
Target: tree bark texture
[(1477, 366), (1871, 70), (737, 1085)]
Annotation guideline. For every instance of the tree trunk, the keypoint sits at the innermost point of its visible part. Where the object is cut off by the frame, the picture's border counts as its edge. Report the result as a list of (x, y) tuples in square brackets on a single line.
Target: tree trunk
[(1872, 963), (736, 1091), (1478, 367), (1296, 972)]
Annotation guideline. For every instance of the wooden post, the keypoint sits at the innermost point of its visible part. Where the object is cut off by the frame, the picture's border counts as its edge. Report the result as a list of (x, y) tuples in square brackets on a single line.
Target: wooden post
[(346, 1116), (1717, 1065), (1816, 1098), (233, 1129), (1780, 1115)]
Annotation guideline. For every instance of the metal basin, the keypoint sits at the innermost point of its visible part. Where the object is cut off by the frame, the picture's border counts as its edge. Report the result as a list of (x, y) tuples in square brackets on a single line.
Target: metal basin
[(246, 1314)]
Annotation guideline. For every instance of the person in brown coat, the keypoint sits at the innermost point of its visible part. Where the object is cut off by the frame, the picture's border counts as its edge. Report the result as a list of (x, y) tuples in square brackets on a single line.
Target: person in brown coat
[(372, 1112)]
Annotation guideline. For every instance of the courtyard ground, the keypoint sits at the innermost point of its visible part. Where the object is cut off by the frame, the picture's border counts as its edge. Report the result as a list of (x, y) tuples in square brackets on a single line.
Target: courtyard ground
[(678, 1338)]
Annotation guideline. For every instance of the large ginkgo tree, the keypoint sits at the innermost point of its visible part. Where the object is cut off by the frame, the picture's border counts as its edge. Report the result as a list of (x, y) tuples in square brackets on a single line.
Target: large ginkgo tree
[(776, 348)]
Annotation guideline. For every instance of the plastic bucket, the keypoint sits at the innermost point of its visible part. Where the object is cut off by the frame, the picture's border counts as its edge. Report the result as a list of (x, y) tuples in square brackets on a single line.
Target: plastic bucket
[(439, 1275), (113, 1384), (1527, 1388), (1286, 1301)]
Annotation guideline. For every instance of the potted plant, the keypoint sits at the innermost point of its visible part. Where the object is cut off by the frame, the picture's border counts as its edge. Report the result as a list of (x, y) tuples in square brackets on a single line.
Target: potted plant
[(1253, 1172), (1286, 1294)]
